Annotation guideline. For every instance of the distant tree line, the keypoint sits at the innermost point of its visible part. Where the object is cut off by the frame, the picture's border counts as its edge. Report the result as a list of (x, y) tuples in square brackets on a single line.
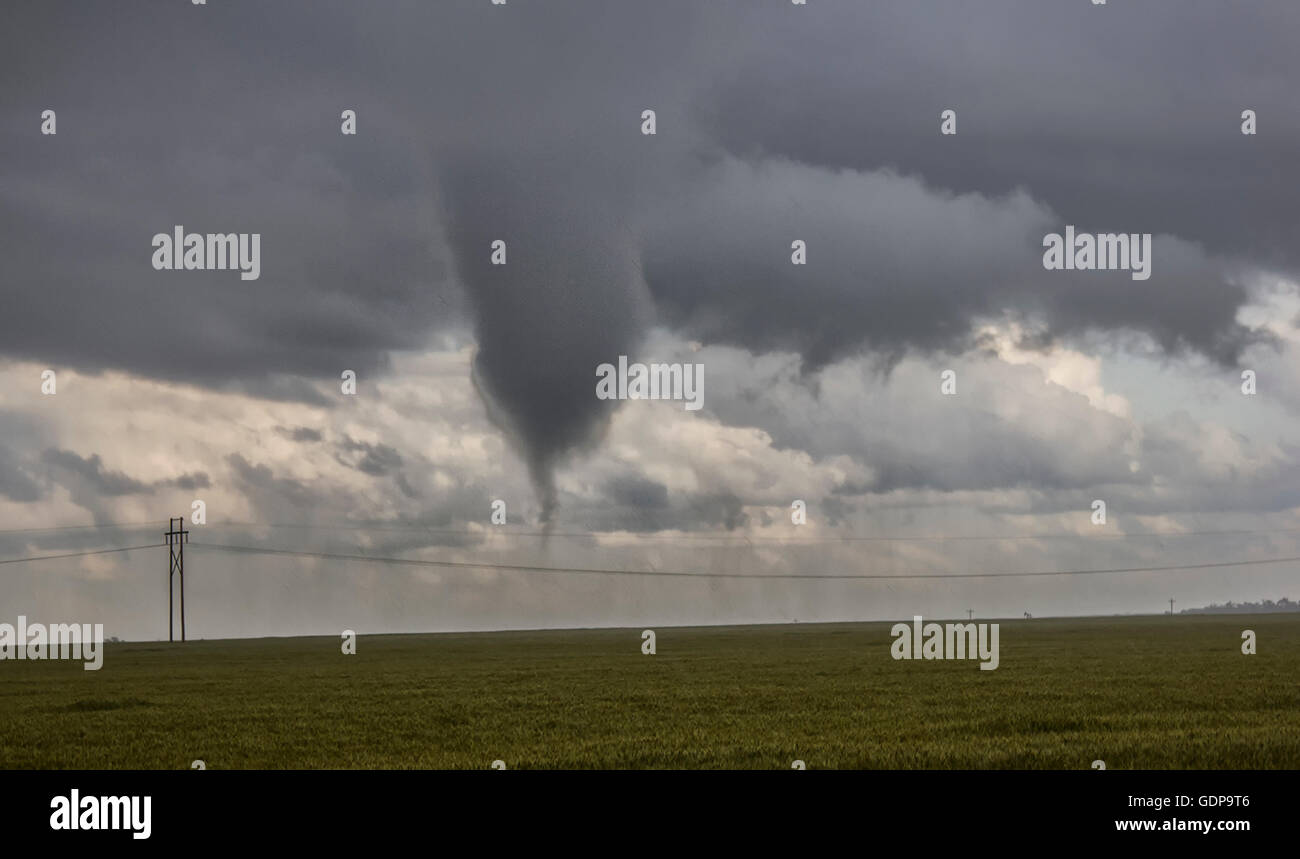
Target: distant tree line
[(1283, 604)]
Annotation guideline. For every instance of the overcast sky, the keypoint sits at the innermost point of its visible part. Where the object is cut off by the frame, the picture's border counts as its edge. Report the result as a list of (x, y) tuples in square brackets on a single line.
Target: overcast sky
[(476, 382)]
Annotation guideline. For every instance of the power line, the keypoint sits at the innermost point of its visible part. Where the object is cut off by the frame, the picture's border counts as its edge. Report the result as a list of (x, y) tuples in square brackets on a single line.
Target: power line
[(255, 550), (81, 554)]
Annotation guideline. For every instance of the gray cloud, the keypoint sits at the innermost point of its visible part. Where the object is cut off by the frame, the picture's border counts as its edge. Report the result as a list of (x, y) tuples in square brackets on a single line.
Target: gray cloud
[(895, 266), (77, 472), (265, 490), (196, 480), (1126, 118), (376, 460), (15, 481), (90, 482), (632, 490), (304, 434)]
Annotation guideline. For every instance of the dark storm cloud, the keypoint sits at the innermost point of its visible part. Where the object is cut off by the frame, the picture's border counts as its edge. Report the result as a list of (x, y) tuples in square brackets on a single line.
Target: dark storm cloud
[(631, 490), (196, 480), (325, 511), (1126, 117), (23, 477), (186, 130), (373, 459), (632, 503), (87, 475), (303, 434), (836, 510), (265, 490), (479, 123), (89, 472), (722, 509), (895, 266), (891, 266), (16, 483)]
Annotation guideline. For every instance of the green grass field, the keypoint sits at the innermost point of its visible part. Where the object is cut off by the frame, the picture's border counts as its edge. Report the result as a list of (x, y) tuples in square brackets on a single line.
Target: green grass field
[(1147, 692)]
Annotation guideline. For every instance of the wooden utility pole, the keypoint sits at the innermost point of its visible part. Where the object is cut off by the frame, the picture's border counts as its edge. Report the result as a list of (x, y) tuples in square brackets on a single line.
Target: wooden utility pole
[(177, 537), (1171, 608)]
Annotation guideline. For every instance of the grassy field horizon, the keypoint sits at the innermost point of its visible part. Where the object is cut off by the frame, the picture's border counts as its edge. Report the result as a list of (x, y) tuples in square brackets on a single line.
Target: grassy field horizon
[(1142, 691), (782, 624)]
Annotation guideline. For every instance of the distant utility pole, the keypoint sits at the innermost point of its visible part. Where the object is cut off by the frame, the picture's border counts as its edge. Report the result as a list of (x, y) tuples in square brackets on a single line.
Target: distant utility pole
[(1171, 608), (177, 537), (970, 614)]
